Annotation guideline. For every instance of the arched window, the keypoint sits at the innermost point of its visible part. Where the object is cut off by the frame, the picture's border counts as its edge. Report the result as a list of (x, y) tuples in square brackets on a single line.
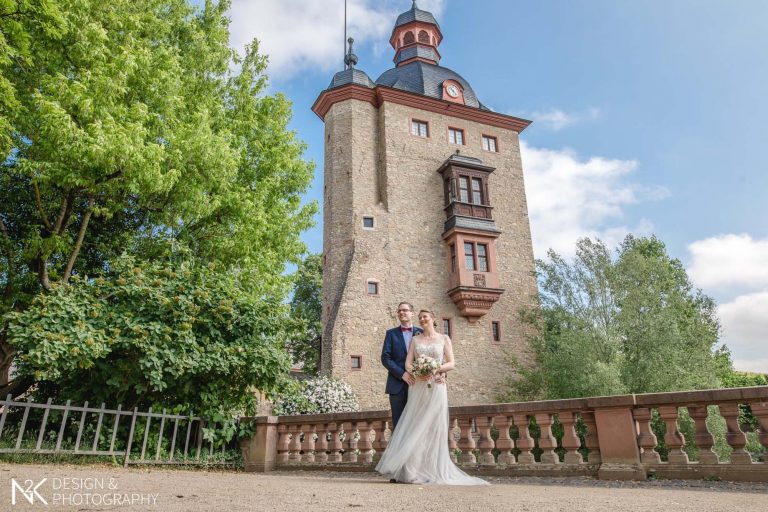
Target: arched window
[(408, 38), (423, 37)]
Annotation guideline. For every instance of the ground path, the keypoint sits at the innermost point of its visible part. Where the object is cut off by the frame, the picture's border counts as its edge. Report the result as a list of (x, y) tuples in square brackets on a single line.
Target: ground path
[(186, 490)]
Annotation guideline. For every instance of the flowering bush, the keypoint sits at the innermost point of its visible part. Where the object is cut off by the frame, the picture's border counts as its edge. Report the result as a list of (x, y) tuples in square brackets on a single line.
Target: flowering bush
[(316, 396)]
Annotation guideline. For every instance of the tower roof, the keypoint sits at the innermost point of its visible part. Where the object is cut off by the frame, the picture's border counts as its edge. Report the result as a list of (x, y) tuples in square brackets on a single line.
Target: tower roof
[(427, 79), (415, 14)]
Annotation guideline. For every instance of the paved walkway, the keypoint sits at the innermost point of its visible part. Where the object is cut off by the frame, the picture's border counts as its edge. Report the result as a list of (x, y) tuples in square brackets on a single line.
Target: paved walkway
[(109, 488)]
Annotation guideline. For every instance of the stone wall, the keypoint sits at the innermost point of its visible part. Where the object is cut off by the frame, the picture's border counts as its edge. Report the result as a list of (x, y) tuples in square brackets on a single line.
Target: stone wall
[(375, 167)]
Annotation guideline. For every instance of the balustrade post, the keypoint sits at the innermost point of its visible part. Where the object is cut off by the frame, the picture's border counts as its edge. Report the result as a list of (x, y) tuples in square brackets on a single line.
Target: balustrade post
[(571, 441), (350, 448), (703, 439), (524, 442), (617, 438), (366, 445), (336, 446), (735, 436), (283, 443), (467, 442), (378, 445), (673, 438), (294, 454), (384, 439), (547, 441), (591, 443), (646, 439), (760, 411), (260, 450), (321, 446), (486, 444), (309, 443), (452, 445), (504, 443)]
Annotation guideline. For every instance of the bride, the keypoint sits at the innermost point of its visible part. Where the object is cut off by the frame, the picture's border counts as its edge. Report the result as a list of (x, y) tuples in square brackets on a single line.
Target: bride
[(418, 449)]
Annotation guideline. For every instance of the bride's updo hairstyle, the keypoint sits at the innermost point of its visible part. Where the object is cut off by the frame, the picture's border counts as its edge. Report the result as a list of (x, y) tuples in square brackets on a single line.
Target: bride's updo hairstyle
[(434, 322)]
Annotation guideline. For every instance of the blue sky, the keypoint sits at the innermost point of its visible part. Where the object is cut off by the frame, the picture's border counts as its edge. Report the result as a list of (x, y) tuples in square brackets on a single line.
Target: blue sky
[(649, 117)]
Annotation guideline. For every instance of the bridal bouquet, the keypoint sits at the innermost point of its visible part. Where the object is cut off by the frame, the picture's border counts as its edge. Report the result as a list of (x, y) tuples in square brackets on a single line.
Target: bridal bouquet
[(424, 366)]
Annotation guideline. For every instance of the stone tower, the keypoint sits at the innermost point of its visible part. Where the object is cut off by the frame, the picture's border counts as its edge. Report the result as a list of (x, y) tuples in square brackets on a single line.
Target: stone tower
[(424, 202)]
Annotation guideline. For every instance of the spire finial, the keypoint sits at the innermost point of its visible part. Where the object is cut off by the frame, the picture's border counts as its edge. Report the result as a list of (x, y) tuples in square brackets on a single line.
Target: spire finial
[(350, 59), (414, 5)]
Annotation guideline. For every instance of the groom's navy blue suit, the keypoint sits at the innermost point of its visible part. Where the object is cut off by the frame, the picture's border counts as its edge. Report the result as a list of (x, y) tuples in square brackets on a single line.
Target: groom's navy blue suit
[(393, 355)]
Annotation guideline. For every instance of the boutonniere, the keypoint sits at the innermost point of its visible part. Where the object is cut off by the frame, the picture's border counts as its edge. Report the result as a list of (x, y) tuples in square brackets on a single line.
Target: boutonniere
[(417, 333)]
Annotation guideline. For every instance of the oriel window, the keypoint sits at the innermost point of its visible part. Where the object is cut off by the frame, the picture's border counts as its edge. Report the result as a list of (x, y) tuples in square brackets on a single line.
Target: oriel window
[(482, 257), (469, 255), (463, 189), (477, 194)]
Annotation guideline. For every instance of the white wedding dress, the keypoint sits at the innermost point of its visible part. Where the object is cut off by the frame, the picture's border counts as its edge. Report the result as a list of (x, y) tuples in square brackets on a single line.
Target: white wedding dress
[(418, 452)]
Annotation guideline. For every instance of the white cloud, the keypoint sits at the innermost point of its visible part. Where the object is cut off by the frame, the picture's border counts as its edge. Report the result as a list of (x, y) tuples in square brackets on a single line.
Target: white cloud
[(555, 119), (307, 34), (571, 198), (728, 261), (745, 330)]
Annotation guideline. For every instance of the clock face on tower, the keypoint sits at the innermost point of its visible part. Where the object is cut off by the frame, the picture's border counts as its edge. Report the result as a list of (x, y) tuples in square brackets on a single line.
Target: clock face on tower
[(452, 91)]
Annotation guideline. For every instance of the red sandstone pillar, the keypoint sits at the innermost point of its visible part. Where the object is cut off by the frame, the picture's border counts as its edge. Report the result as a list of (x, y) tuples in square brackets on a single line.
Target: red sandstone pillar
[(617, 435), (260, 451)]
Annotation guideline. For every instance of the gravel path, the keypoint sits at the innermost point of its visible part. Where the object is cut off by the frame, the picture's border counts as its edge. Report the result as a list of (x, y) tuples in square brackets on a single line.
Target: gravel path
[(181, 490)]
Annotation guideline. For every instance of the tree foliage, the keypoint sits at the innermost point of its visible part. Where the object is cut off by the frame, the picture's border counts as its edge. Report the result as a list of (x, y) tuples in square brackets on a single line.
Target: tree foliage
[(174, 333), (125, 129), (306, 310), (626, 324)]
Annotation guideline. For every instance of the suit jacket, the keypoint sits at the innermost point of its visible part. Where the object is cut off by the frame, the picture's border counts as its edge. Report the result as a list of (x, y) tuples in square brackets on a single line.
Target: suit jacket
[(393, 355)]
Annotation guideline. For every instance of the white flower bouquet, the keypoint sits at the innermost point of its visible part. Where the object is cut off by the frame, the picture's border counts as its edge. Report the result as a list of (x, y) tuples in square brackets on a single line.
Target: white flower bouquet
[(424, 366)]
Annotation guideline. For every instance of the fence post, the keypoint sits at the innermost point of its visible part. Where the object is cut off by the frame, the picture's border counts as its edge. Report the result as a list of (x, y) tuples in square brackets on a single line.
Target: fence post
[(130, 437), (260, 451)]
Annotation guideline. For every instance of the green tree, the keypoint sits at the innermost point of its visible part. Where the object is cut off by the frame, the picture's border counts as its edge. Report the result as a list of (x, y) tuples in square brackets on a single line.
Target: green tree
[(130, 132), (625, 324), (177, 334), (306, 310)]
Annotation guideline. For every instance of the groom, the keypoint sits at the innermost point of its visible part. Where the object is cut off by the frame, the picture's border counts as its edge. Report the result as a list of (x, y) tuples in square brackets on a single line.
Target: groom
[(393, 355)]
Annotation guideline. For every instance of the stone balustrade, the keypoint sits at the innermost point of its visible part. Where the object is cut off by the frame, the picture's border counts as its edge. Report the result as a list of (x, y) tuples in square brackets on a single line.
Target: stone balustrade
[(608, 437)]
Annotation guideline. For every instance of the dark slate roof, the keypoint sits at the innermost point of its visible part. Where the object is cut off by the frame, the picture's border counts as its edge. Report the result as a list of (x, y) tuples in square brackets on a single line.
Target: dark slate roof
[(426, 79), (415, 14), (426, 52), (458, 221), (464, 159), (351, 76)]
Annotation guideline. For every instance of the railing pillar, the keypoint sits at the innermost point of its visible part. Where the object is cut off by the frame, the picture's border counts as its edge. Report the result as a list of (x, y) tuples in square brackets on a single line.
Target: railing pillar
[(486, 444), (760, 411), (504, 443), (260, 451), (571, 441), (467, 442), (735, 436), (703, 439), (524, 442), (646, 439), (617, 435), (547, 441)]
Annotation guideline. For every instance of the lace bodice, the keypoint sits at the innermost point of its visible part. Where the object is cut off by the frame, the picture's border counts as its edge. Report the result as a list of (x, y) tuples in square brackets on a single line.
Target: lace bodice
[(432, 349)]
